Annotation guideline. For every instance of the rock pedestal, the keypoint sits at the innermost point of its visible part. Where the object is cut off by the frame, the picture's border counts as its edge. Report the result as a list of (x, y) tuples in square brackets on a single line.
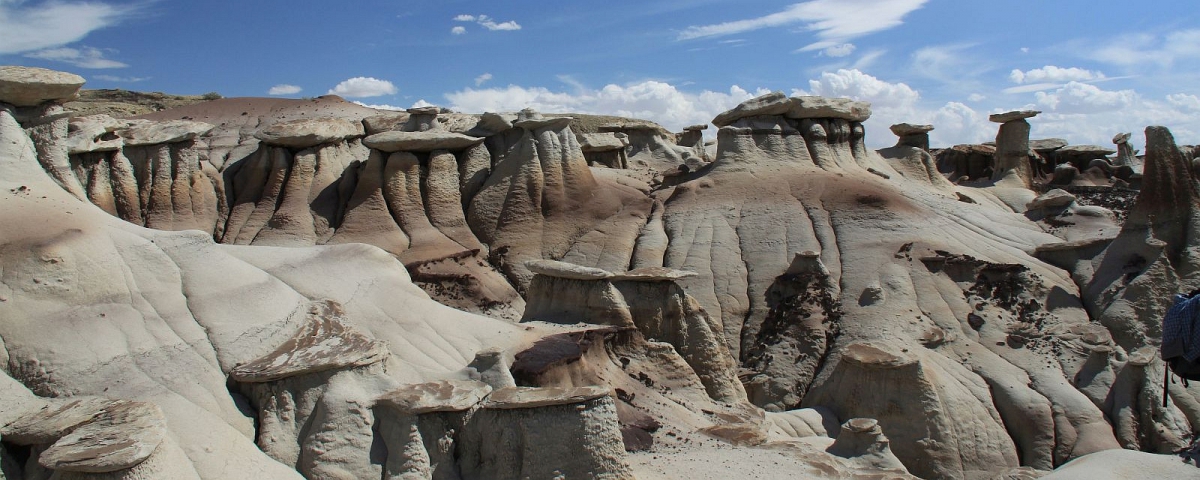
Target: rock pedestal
[(1125, 153), (1012, 148), (912, 135)]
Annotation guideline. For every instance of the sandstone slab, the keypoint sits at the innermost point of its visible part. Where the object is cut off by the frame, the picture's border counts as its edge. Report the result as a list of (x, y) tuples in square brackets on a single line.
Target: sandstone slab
[(555, 268), (426, 141), (1013, 115), (533, 397), (443, 396), (822, 107), (171, 131), (32, 86), (902, 129), (308, 132)]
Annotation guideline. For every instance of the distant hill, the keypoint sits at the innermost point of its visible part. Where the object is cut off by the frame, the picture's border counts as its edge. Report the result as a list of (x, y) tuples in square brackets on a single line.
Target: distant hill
[(126, 103)]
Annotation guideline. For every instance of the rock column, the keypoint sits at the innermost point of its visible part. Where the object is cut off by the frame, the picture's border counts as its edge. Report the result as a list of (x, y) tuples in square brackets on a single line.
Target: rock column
[(912, 135), (1012, 148)]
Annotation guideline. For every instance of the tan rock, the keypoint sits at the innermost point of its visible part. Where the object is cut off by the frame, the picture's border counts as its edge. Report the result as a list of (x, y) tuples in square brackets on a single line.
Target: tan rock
[(822, 107), (442, 396), (32, 86), (1013, 115), (171, 131), (308, 132), (324, 342), (427, 141)]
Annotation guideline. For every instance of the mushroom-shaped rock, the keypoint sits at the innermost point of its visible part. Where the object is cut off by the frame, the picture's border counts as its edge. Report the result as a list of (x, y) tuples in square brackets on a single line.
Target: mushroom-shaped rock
[(1056, 198), (118, 437), (1047, 145), (524, 432), (323, 343), (32, 86), (426, 141), (921, 401), (442, 396), (308, 132), (1013, 115), (912, 135), (170, 131), (696, 128), (426, 110), (822, 107), (905, 129), (603, 142), (774, 103), (557, 269), (1121, 138), (86, 134), (861, 441)]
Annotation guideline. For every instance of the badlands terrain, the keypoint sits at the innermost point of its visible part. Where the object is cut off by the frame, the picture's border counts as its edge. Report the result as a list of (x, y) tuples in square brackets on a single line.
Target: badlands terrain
[(278, 288)]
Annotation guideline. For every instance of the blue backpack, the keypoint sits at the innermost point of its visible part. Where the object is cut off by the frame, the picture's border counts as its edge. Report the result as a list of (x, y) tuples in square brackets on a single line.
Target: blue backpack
[(1181, 338)]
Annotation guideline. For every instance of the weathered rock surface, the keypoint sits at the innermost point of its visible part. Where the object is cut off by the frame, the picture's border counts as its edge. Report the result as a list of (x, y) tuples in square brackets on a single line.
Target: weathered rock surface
[(1012, 116), (32, 86), (420, 141), (309, 132)]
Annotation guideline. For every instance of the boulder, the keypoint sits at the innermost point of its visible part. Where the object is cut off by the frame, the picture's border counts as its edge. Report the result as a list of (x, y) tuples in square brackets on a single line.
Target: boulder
[(1046, 145), (557, 269), (774, 103), (905, 129), (1121, 138), (441, 396), (323, 343), (385, 122), (1056, 198), (427, 141), (821, 107), (308, 132), (533, 397), (32, 86), (1013, 115), (696, 128), (171, 131), (603, 142), (531, 120)]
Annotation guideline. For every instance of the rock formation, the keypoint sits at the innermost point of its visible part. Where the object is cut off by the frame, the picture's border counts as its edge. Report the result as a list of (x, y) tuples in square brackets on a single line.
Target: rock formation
[(916, 136), (1012, 148), (218, 296)]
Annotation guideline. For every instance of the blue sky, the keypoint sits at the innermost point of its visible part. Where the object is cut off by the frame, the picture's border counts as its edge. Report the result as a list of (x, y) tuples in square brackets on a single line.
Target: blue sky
[(1094, 67)]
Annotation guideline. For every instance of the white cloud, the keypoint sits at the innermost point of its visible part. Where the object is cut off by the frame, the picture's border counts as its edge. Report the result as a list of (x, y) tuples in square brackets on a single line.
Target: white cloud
[(1053, 74), (1033, 87), (284, 89), (480, 80), (422, 103), (485, 22), (946, 63), (976, 97), (893, 103), (834, 21), (113, 78), (839, 50), (30, 27), (1144, 48), (491, 25), (360, 87), (1024, 49), (651, 100), (1184, 100), (381, 106), (83, 57), (1075, 97)]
